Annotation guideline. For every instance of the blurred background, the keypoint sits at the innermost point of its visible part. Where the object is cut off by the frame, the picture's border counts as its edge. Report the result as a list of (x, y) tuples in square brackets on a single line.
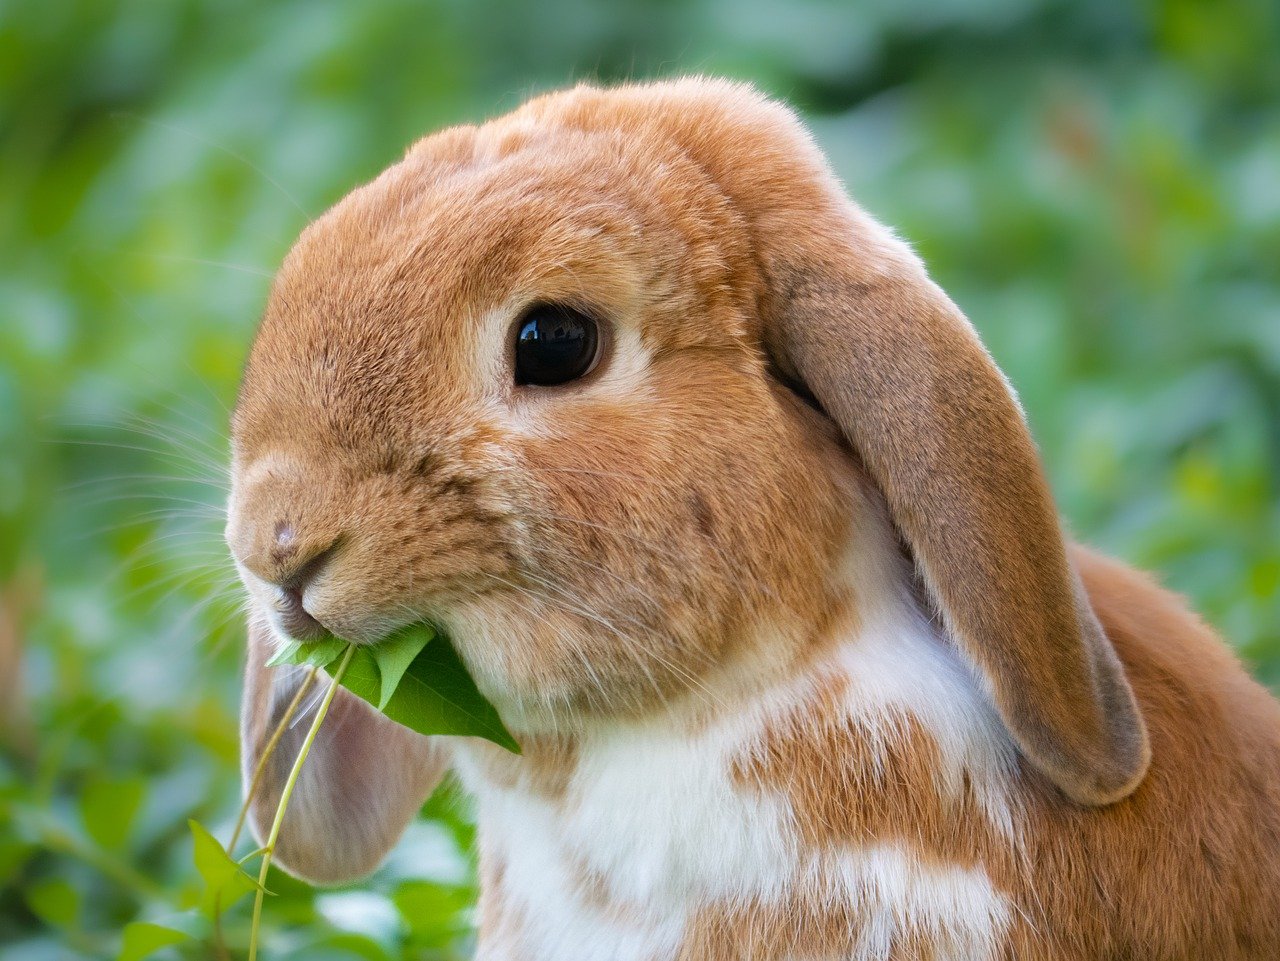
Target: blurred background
[(1096, 183)]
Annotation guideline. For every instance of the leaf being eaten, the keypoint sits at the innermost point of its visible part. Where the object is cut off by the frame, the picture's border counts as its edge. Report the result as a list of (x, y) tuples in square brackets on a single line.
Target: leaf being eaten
[(319, 653), (414, 677)]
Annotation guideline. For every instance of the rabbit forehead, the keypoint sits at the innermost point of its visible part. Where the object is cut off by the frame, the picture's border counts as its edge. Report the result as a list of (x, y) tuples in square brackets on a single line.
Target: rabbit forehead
[(594, 216), (397, 294)]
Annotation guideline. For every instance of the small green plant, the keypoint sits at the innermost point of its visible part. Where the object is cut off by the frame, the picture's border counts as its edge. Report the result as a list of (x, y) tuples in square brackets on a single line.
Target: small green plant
[(343, 664), (414, 676)]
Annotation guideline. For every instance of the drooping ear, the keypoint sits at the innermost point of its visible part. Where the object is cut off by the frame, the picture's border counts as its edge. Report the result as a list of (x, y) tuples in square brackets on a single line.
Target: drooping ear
[(848, 310), (364, 780), (898, 368)]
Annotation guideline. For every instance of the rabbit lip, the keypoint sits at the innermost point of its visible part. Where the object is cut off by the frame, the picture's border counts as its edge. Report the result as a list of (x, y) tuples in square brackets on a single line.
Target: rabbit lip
[(294, 619)]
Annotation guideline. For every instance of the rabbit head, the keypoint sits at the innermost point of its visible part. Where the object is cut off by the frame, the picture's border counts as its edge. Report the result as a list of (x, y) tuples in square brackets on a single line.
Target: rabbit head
[(600, 387)]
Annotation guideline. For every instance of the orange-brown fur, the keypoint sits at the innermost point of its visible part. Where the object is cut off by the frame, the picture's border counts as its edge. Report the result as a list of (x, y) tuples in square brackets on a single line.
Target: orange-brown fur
[(663, 538), (1184, 867), (364, 417)]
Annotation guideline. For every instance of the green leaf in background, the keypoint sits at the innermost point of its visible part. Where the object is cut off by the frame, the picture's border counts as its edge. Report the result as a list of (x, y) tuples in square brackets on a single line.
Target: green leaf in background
[(225, 882), (14, 853), (109, 808), (143, 939), (55, 902), (345, 946), (422, 685), (432, 911)]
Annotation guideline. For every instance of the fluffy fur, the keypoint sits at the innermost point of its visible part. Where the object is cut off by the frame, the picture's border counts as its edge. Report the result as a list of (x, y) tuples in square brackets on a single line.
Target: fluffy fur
[(775, 599)]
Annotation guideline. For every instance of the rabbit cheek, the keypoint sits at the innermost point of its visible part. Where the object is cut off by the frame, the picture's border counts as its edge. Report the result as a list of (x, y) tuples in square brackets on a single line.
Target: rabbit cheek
[(647, 558)]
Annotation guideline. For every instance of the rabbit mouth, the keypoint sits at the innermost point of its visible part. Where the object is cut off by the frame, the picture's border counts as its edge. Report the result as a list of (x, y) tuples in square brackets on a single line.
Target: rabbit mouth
[(293, 618)]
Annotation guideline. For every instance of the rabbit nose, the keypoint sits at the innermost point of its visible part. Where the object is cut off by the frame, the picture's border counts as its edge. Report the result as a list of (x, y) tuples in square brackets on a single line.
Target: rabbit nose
[(285, 545), (296, 560), (295, 564)]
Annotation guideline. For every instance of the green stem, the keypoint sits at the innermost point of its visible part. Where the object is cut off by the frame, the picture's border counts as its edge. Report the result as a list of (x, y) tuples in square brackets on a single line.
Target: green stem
[(259, 769), (285, 795), (267, 751)]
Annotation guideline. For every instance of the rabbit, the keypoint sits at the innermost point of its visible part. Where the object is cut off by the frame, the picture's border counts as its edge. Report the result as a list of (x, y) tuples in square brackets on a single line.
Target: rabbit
[(729, 512)]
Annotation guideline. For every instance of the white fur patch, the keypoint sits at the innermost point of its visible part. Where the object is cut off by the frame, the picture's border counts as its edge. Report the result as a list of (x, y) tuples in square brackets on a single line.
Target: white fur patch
[(539, 882), (894, 672), (654, 818), (957, 910), (660, 819)]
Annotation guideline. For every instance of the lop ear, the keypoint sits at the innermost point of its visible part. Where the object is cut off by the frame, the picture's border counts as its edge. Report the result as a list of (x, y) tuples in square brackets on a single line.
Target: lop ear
[(364, 780), (849, 311), (898, 368)]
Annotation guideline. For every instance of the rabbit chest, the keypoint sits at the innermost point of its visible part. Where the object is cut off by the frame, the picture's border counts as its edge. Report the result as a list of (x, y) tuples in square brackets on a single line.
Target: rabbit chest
[(787, 828)]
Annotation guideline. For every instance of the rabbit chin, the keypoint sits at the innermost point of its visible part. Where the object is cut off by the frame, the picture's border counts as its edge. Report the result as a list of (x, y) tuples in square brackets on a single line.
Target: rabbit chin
[(549, 672), (552, 671)]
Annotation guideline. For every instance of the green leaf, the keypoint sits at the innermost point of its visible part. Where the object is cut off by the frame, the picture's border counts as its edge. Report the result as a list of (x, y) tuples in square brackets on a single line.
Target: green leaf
[(415, 682), (395, 654), (221, 875), (14, 853), (435, 695), (432, 912), (348, 945), (108, 809), (362, 677), (55, 902), (143, 939), (319, 653)]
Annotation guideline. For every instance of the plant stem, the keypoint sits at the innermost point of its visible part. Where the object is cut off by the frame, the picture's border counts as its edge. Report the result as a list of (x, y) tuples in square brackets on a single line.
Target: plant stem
[(285, 795), (267, 751)]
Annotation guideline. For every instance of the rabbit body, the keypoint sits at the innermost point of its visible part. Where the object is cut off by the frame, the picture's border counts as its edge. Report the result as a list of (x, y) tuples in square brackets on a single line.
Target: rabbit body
[(871, 807), (773, 592)]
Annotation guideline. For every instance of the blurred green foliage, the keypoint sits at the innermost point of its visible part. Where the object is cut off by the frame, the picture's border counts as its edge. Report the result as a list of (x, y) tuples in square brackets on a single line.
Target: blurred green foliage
[(1097, 183)]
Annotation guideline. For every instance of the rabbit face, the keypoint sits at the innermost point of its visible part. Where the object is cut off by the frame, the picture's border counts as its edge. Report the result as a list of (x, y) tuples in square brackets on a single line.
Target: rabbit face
[(592, 546)]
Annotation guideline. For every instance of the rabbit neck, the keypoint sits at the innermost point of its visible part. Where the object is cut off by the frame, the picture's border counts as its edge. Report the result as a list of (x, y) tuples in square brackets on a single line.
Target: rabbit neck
[(632, 835)]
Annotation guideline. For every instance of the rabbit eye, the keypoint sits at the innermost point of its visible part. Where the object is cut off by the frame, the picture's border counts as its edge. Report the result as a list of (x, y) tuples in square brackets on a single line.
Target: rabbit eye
[(554, 344)]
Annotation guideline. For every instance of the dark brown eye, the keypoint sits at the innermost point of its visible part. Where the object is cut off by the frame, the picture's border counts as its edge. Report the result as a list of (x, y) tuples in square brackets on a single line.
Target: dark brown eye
[(555, 344)]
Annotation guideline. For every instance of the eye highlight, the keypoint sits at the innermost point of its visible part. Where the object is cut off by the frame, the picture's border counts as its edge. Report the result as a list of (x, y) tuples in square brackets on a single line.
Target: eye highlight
[(555, 344)]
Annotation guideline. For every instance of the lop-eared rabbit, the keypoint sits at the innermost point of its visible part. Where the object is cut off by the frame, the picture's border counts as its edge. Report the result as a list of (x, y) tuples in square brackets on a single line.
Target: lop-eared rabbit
[(727, 509)]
